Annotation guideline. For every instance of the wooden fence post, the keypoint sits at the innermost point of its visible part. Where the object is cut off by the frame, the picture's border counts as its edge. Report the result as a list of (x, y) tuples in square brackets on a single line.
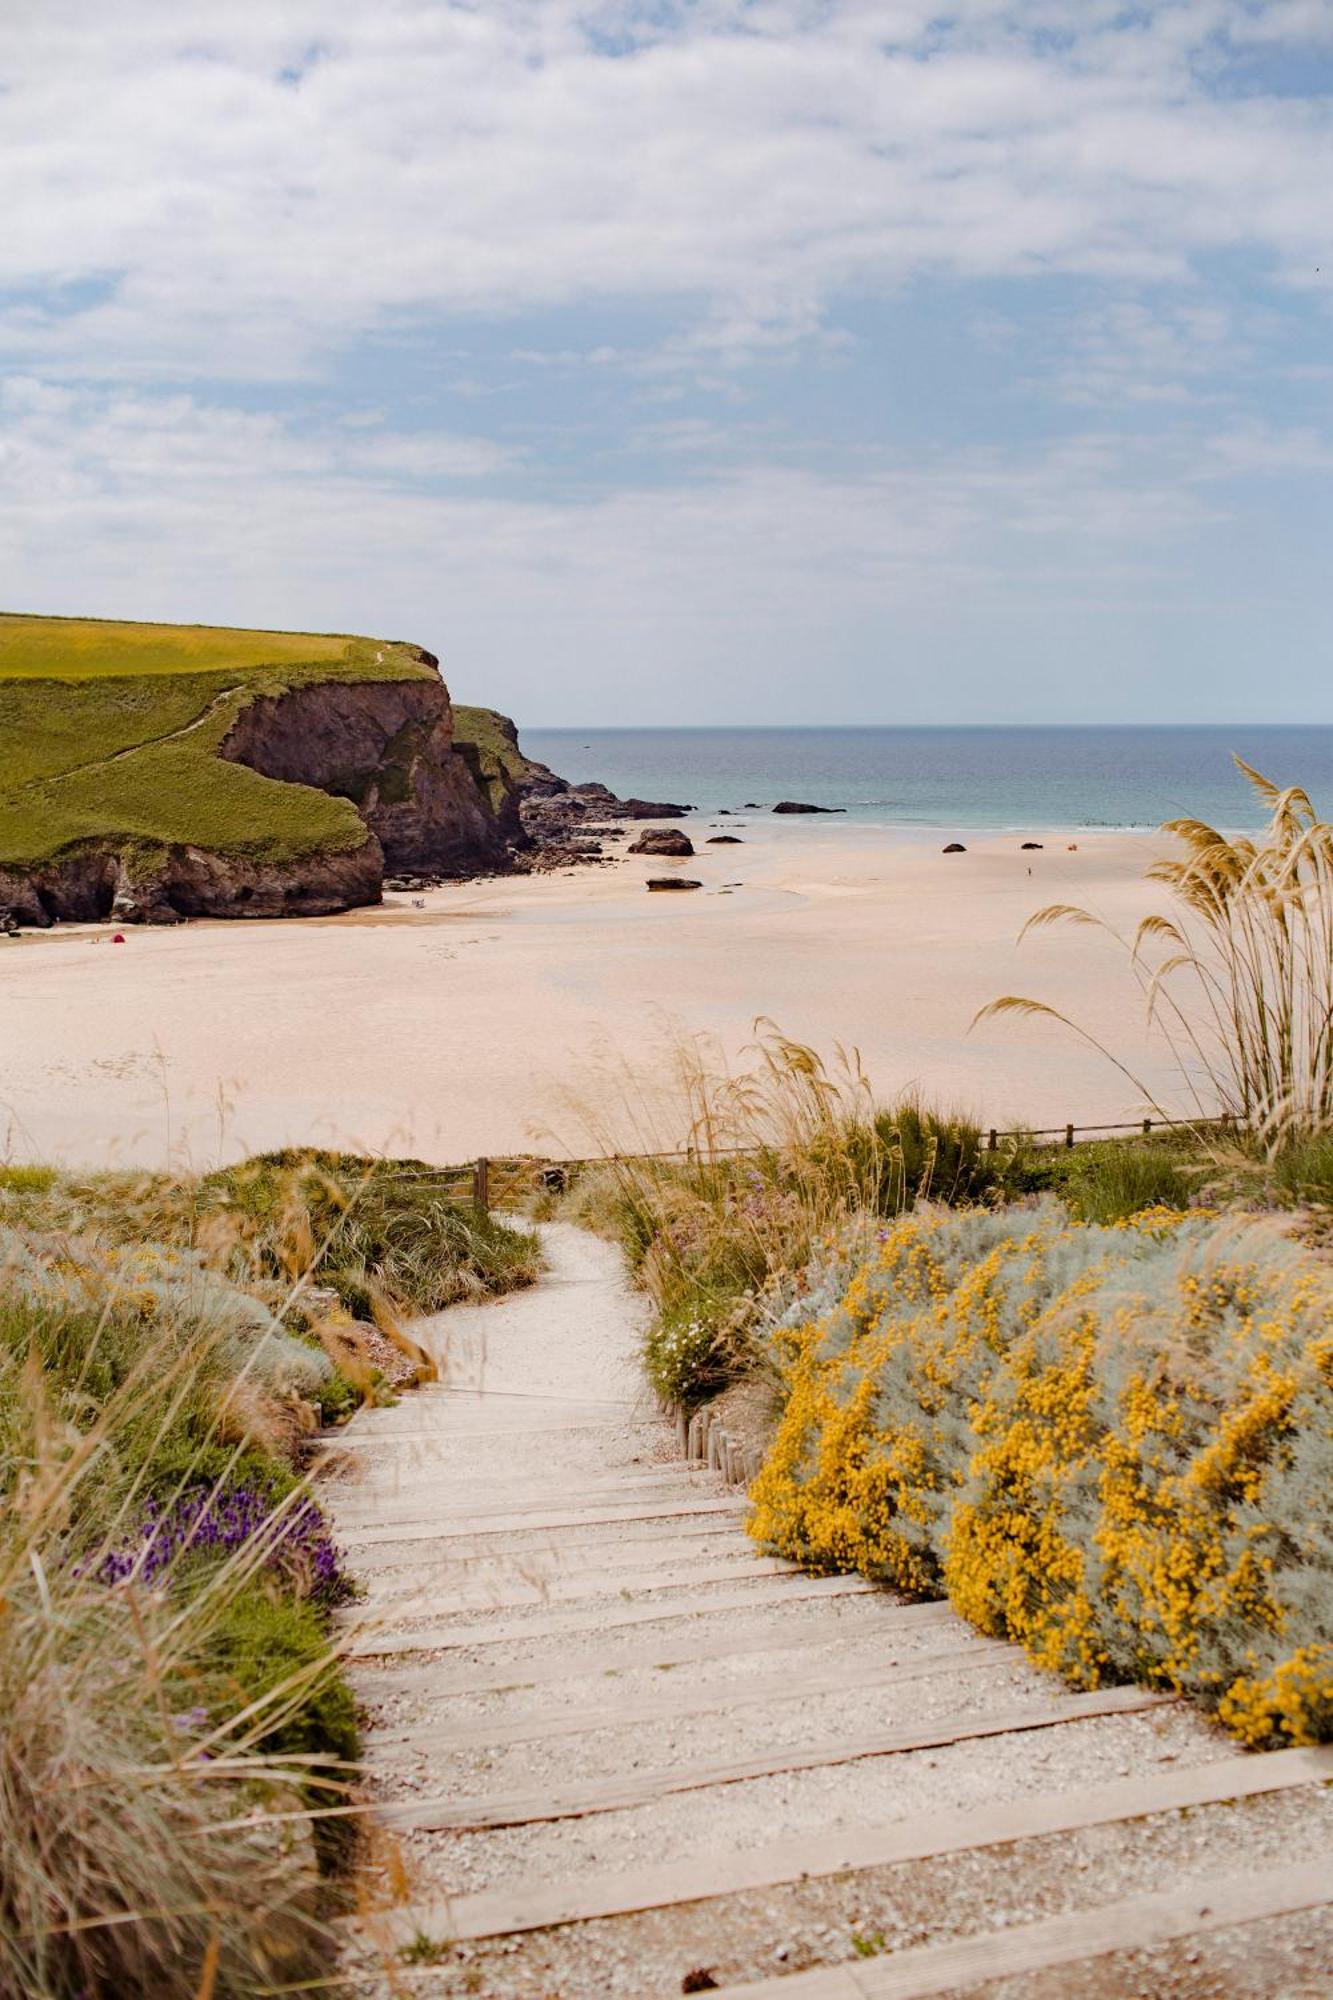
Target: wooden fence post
[(481, 1186), (1147, 1127), (1069, 1137), (992, 1140)]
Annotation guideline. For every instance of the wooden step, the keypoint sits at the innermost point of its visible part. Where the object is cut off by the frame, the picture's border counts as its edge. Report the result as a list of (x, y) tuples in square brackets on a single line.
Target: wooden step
[(557, 1559), (452, 1636), (523, 1521), (508, 1592), (611, 1712), (639, 1788), (537, 1903), (1135, 1923), (691, 1539), (449, 1440), (672, 1649), (434, 1392)]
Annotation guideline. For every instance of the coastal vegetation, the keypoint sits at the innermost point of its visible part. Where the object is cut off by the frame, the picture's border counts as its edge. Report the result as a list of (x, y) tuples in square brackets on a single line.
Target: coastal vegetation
[(1238, 981), (1111, 1445), (112, 730), (176, 1737), (490, 743), (1086, 1393)]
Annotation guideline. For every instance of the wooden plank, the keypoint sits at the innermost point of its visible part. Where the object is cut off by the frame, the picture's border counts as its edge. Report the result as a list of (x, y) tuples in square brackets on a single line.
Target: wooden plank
[(509, 1591), (452, 1439), (481, 1391), (687, 1535), (608, 1713), (649, 1542), (465, 1527), (452, 1636), (367, 1504), (538, 1903), (1133, 1924), (674, 1649), (639, 1788), (411, 1526), (564, 1487)]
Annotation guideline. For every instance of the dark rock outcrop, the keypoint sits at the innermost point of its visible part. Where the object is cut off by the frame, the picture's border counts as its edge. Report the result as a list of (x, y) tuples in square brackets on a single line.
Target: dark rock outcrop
[(796, 806), (388, 747), (672, 882), (95, 881), (662, 840), (648, 809), (954, 847), (725, 840)]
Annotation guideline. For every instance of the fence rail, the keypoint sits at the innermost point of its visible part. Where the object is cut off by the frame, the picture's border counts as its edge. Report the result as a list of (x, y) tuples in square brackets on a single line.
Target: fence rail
[(488, 1181)]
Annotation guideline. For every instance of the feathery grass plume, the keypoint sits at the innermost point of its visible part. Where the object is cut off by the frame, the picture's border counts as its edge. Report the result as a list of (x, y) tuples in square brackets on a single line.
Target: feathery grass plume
[(1111, 1445), (176, 1736), (768, 1162), (1240, 981), (161, 1792)]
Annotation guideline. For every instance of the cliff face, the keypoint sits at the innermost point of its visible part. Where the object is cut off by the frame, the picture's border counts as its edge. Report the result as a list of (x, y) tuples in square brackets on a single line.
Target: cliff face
[(388, 747), (99, 880)]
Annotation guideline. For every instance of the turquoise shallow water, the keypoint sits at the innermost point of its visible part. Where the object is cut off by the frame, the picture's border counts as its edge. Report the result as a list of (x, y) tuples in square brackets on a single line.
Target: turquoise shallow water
[(975, 778)]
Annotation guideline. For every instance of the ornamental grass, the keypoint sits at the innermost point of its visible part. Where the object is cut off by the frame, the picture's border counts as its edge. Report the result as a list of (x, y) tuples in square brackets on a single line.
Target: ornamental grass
[(176, 1734), (1112, 1445), (1238, 979)]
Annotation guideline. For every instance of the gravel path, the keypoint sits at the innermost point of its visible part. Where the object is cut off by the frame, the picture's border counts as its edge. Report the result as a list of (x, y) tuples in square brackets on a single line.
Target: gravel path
[(614, 1751)]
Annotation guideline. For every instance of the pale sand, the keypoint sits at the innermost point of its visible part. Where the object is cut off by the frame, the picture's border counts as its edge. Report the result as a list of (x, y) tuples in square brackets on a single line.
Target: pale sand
[(463, 1027)]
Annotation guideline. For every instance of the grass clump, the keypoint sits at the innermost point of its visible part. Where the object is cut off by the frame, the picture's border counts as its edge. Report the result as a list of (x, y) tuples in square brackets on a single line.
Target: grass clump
[(1239, 978), (176, 1735), (157, 1822), (1111, 1180), (385, 1232), (1111, 1445)]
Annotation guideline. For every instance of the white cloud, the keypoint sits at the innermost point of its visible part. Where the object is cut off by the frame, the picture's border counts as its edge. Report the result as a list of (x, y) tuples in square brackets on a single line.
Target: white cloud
[(248, 205), (180, 509)]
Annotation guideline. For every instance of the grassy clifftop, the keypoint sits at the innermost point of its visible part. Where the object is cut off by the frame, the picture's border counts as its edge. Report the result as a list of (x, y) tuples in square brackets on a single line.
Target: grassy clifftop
[(111, 730), (489, 741)]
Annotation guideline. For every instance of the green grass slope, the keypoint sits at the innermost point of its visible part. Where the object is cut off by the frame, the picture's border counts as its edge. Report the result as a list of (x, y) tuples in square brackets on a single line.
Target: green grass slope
[(490, 743), (111, 730)]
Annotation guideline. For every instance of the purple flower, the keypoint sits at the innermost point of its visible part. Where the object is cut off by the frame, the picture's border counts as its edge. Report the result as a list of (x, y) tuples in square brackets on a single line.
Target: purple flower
[(221, 1520)]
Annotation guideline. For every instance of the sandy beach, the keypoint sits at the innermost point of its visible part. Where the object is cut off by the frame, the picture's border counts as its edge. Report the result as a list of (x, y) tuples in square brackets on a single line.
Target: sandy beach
[(482, 1021)]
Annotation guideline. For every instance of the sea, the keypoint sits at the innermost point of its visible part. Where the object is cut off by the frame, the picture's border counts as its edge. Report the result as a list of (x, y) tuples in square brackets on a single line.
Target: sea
[(1001, 779)]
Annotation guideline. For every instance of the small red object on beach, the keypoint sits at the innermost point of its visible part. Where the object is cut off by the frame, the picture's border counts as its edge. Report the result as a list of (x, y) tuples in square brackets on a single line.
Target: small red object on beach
[(119, 938)]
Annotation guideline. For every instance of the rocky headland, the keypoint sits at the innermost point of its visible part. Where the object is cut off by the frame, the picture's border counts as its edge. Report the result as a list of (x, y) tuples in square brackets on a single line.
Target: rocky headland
[(371, 777)]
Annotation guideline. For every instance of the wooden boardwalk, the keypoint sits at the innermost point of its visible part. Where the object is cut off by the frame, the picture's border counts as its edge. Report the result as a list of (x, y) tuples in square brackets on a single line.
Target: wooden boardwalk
[(615, 1750)]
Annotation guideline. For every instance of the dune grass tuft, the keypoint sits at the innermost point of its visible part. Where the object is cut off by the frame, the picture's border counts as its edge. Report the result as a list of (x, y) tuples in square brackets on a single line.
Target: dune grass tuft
[(176, 1735), (1239, 980)]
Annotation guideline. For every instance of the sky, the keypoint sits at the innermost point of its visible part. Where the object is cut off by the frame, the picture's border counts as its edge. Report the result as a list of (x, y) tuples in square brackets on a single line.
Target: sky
[(724, 361)]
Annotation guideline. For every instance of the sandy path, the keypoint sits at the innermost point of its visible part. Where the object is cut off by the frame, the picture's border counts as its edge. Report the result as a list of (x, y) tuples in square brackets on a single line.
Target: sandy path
[(618, 1746), (466, 1026)]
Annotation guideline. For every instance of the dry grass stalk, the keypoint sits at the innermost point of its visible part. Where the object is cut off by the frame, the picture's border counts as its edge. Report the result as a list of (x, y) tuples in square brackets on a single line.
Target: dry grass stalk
[(1239, 981)]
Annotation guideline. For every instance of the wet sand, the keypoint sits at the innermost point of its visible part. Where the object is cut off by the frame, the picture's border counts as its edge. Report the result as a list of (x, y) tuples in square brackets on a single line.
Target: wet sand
[(503, 1013)]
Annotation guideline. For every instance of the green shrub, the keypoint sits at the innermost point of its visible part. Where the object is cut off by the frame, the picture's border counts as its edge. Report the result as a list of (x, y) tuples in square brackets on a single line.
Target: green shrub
[(1111, 1180)]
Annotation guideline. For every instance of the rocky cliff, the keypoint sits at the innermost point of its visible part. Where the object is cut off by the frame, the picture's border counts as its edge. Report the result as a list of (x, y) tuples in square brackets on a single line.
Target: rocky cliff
[(388, 747), (174, 824)]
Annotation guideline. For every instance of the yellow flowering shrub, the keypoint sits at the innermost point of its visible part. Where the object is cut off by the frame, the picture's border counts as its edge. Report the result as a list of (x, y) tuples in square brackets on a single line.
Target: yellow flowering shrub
[(1112, 1445)]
